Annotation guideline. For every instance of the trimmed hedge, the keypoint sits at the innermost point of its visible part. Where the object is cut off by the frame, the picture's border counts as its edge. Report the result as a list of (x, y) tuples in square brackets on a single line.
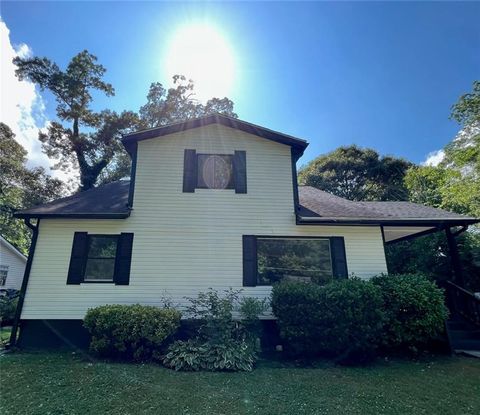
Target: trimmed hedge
[(130, 332), (415, 310), (343, 318)]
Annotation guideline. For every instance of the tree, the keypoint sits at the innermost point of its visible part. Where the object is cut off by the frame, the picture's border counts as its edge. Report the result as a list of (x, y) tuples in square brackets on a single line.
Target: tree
[(91, 151), (357, 174), (20, 188)]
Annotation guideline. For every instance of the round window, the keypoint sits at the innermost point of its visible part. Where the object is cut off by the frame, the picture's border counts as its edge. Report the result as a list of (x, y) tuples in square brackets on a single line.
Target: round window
[(217, 172)]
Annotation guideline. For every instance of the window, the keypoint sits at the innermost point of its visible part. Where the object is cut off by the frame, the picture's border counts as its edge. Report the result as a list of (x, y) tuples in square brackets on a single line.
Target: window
[(100, 263), (269, 259), (215, 171), (100, 258), (293, 259), (3, 274)]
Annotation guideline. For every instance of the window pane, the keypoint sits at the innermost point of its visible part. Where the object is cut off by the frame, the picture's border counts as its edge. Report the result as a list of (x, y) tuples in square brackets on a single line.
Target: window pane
[(99, 269), (294, 259), (215, 171), (102, 247)]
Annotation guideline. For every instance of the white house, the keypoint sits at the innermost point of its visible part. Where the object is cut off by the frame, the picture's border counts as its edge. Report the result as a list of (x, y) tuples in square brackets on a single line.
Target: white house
[(212, 203), (12, 266)]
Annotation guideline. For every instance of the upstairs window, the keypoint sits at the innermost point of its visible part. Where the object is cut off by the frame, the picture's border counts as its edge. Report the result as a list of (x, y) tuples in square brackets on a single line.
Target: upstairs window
[(215, 171)]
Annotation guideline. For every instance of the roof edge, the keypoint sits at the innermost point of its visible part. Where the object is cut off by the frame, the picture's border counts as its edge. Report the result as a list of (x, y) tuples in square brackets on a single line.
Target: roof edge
[(72, 215), (299, 144), (386, 221)]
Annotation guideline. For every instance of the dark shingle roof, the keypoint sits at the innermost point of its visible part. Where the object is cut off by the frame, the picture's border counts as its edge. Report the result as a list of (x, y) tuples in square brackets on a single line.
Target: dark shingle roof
[(317, 205), (108, 201)]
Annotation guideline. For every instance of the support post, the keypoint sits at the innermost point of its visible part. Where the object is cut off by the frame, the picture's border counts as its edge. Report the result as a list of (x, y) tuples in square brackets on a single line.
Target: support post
[(455, 258)]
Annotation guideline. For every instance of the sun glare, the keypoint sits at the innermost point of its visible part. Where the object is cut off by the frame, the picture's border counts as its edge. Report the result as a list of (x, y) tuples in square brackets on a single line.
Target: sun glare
[(203, 54)]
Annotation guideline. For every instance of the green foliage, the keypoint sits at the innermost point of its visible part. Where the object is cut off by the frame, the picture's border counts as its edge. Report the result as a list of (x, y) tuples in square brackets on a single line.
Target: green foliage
[(222, 343), (8, 306), (414, 308), (343, 318), (467, 110), (357, 174), (193, 355), (20, 188), (132, 332)]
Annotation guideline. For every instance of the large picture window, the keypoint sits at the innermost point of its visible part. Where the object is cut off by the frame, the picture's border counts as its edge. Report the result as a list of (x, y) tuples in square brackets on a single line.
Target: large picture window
[(294, 259), (100, 263)]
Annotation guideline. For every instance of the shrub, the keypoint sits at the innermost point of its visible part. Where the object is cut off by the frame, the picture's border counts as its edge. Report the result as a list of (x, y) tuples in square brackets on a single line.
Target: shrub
[(131, 332), (194, 355), (222, 343), (8, 306), (415, 310), (343, 318)]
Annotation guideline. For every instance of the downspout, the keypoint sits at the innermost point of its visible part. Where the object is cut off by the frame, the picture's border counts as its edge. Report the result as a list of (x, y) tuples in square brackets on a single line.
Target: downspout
[(26, 276)]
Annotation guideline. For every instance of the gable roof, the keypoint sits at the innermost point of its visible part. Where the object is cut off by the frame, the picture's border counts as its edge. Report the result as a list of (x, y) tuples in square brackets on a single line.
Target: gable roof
[(12, 248), (297, 144), (316, 206), (104, 202)]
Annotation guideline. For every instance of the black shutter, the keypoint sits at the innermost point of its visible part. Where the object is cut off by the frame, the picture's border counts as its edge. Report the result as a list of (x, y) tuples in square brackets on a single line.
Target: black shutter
[(339, 259), (249, 261), (78, 258), (123, 259), (240, 171), (189, 171)]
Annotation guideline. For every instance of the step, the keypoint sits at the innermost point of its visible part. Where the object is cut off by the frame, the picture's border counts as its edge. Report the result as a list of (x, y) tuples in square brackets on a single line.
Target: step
[(473, 353), (465, 344)]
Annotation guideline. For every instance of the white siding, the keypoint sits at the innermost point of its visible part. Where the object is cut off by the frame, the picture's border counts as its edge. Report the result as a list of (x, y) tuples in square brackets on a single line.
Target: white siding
[(187, 242), (16, 266)]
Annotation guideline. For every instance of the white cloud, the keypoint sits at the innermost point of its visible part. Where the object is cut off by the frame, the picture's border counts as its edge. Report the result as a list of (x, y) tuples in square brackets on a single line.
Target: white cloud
[(434, 158), (21, 106)]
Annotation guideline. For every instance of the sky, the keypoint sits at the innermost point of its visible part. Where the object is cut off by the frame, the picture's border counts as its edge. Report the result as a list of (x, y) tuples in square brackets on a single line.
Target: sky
[(382, 74)]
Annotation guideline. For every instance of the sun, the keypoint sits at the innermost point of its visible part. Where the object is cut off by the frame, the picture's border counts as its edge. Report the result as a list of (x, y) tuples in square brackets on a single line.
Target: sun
[(202, 53)]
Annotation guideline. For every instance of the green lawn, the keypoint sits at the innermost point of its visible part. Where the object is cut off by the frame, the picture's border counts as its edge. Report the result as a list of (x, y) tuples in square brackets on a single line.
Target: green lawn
[(65, 383)]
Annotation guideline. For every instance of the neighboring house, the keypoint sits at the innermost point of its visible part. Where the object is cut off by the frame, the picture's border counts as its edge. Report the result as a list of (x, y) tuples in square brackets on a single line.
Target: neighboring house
[(212, 203), (12, 266)]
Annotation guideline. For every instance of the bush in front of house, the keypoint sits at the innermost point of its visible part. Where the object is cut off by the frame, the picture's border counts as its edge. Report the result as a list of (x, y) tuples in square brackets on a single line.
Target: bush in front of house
[(8, 306), (415, 310), (130, 332), (222, 343), (342, 319)]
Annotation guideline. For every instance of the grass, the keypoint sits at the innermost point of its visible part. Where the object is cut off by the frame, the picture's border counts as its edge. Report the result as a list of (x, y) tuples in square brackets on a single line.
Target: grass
[(66, 383)]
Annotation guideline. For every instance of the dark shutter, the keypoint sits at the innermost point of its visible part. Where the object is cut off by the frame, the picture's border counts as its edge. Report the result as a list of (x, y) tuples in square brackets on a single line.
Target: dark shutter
[(339, 259), (249, 261), (78, 258), (240, 171), (123, 259), (189, 171)]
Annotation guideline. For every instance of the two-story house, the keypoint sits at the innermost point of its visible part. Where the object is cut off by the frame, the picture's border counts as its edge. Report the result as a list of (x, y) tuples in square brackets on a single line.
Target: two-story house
[(211, 203)]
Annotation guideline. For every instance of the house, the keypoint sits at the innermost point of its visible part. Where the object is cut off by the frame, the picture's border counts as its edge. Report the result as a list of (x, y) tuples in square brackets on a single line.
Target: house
[(212, 203), (12, 266)]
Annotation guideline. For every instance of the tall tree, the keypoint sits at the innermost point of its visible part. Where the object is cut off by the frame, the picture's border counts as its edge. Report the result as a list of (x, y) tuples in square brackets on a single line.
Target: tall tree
[(357, 174), (94, 148), (20, 188)]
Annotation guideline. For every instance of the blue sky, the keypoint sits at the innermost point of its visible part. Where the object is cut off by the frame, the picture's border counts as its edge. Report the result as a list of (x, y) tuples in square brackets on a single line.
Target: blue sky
[(381, 75)]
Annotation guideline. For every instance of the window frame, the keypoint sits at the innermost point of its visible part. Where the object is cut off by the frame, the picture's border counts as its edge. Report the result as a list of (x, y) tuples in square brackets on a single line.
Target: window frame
[(99, 280), (231, 183), (293, 237), (3, 281)]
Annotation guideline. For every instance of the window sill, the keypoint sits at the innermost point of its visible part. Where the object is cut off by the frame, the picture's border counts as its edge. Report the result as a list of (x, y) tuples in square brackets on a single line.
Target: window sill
[(98, 282)]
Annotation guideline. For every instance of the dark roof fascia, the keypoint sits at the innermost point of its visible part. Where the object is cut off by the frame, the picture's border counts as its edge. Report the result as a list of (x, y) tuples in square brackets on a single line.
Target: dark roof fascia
[(72, 215), (387, 222), (298, 144)]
